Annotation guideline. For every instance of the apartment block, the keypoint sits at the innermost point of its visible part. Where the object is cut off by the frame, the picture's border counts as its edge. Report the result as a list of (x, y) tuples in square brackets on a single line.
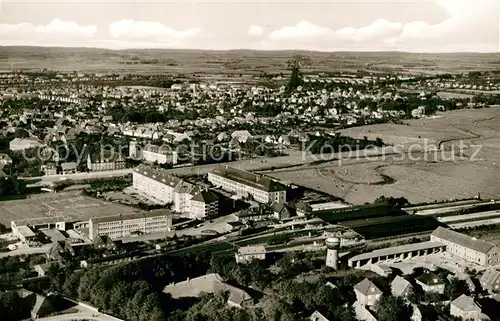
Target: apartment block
[(153, 153), (154, 182), (248, 185), (124, 225), (97, 163), (194, 201), (466, 247)]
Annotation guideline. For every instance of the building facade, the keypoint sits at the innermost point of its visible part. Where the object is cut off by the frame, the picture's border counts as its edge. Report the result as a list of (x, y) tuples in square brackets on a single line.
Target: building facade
[(465, 308), (367, 293), (153, 153), (101, 164), (192, 200), (248, 185), (466, 247), (124, 225), (155, 183), (249, 253)]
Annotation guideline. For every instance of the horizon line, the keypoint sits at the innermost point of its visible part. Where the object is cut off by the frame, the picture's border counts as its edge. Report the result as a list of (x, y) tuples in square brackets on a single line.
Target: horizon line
[(257, 50)]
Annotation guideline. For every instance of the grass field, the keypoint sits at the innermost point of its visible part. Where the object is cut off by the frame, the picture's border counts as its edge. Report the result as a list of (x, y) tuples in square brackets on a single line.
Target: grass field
[(425, 177), (67, 206), (234, 62)]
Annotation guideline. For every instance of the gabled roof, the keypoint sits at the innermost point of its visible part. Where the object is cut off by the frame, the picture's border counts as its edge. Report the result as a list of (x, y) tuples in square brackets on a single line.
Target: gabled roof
[(399, 286), (490, 276), (251, 250), (367, 287), (462, 240), (429, 278), (465, 303), (42, 306)]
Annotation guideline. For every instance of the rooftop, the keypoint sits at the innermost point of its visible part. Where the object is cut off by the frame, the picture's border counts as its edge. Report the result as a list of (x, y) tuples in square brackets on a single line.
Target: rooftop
[(247, 178), (397, 250), (429, 278), (250, 250), (367, 287), (465, 303), (129, 216), (158, 175), (462, 240)]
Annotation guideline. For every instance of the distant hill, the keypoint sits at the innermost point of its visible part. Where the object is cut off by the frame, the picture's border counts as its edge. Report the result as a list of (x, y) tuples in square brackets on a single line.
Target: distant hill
[(189, 61)]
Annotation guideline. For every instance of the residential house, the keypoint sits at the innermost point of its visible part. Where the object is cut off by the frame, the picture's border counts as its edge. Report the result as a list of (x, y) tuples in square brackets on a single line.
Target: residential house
[(363, 313), (68, 168), (241, 135), (247, 254), (104, 242), (430, 282), (490, 280), (367, 293), (282, 211), (317, 316), (400, 287), (465, 308)]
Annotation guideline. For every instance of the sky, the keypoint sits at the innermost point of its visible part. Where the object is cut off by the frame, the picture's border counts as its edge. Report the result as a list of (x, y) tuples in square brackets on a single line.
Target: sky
[(322, 25)]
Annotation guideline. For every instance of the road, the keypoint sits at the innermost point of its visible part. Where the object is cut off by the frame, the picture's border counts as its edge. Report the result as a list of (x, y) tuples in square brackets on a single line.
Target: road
[(48, 179)]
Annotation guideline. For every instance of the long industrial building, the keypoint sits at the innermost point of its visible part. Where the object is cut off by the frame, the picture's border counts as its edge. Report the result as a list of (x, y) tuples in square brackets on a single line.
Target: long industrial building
[(466, 247), (187, 198), (124, 225), (401, 252), (249, 185), (441, 240)]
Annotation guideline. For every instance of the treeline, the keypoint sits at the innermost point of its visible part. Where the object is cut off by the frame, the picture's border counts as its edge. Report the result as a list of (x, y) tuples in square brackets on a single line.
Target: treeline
[(150, 115), (339, 144), (133, 291), (129, 291)]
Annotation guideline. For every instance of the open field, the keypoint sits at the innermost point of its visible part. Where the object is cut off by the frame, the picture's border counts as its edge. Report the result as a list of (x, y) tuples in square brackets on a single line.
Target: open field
[(424, 177), (235, 62), (67, 206), (453, 95)]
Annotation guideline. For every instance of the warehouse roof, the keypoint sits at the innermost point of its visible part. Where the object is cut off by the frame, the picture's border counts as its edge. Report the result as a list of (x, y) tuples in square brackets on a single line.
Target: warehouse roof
[(462, 240)]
